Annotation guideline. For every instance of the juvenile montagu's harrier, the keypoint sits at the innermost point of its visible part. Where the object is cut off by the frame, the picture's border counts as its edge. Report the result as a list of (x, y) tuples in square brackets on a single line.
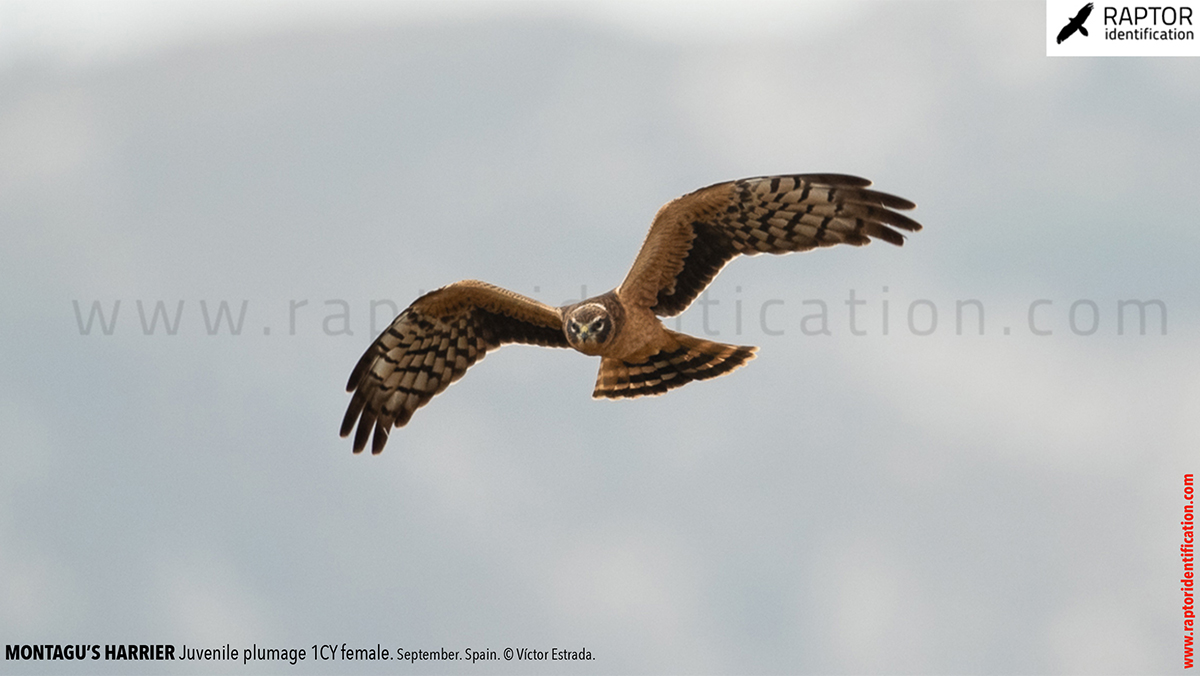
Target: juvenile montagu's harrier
[(433, 342)]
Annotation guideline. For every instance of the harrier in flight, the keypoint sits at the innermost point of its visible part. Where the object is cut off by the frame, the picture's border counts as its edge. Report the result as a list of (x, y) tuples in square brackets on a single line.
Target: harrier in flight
[(437, 338)]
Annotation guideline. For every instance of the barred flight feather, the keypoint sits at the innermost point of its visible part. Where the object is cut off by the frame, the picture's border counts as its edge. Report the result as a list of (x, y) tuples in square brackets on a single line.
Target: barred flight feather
[(421, 354), (777, 215), (692, 359)]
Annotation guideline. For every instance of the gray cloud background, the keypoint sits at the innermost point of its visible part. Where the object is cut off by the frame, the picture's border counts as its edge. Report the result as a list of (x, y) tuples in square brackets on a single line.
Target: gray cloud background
[(899, 503)]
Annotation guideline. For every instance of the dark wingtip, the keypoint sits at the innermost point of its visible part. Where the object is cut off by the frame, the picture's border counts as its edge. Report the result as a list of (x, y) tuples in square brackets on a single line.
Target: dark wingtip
[(353, 411), (886, 234), (882, 199), (903, 222), (364, 430), (380, 439)]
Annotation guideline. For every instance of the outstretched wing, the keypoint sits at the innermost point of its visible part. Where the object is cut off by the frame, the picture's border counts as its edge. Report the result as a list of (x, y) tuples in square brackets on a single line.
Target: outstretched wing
[(431, 344), (1076, 23), (694, 236)]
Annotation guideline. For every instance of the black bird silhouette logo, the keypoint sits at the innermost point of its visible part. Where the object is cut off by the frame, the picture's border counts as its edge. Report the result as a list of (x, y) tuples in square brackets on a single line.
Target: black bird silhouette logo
[(1075, 24)]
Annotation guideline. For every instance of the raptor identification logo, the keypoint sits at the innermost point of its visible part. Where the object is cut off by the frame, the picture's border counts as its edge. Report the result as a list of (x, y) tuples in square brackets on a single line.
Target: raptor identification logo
[(1106, 28)]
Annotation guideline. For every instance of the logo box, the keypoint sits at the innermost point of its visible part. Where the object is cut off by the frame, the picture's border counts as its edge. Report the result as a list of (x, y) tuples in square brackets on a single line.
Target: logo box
[(1103, 28)]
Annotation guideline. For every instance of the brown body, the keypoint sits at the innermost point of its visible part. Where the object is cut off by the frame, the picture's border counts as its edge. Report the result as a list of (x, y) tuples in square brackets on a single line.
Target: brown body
[(433, 342)]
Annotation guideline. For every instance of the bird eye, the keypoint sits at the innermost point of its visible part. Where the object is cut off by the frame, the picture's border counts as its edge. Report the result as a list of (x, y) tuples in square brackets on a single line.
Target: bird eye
[(574, 326)]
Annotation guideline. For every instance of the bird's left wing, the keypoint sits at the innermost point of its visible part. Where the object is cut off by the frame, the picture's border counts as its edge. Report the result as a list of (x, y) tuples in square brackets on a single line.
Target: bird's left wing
[(694, 236), (431, 344)]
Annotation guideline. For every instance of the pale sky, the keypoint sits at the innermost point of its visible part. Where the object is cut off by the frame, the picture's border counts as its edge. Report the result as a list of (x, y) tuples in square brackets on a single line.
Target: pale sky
[(81, 32)]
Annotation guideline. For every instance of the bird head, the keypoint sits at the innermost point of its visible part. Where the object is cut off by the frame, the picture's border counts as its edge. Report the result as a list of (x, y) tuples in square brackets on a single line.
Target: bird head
[(588, 327)]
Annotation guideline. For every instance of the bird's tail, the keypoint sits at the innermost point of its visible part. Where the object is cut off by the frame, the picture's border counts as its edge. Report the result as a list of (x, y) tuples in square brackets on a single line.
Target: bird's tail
[(690, 359)]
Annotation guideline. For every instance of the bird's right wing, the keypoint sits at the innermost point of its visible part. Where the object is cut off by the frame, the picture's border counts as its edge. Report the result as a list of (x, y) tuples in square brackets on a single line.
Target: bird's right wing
[(431, 344)]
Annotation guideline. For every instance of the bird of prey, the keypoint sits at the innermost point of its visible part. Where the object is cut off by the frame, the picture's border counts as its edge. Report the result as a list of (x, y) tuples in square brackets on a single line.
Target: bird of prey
[(1075, 24), (433, 342)]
